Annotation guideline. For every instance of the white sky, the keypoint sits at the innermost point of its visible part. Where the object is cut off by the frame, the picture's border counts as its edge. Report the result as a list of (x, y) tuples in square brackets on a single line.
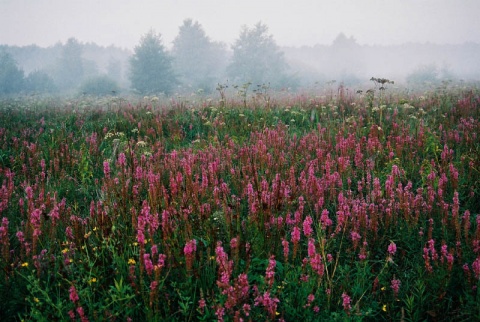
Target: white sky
[(292, 22)]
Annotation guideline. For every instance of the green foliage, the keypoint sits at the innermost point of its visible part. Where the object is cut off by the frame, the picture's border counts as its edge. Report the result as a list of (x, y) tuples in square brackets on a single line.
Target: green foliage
[(11, 77), (70, 71), (197, 60), (151, 70), (39, 82)]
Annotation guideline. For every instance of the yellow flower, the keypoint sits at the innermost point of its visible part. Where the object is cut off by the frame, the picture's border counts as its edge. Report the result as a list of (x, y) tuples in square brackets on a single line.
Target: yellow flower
[(135, 244), (25, 264), (383, 288), (212, 258), (131, 261), (93, 280), (95, 228), (36, 300), (65, 250), (384, 308)]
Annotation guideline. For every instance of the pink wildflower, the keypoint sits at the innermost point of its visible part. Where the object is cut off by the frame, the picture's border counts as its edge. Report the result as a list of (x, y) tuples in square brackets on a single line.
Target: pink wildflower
[(69, 233), (346, 302), (395, 286), (476, 268), (153, 285), (106, 169), (270, 273), (310, 299), (246, 309), (121, 159), (325, 220), (81, 313), (73, 294), (189, 251), (295, 235), (220, 312), (148, 264), (317, 265), (285, 248), (392, 248), (311, 248), (269, 303), (201, 305), (307, 226), (234, 243)]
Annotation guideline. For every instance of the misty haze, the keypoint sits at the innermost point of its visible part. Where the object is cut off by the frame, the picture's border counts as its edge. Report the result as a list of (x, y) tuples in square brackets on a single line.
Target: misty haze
[(72, 48), (215, 160)]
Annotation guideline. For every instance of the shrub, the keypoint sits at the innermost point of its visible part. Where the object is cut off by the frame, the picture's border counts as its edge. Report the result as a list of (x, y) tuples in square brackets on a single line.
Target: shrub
[(99, 86)]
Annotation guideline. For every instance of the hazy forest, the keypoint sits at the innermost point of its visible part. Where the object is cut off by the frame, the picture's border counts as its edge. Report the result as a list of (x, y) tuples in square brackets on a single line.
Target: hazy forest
[(193, 62)]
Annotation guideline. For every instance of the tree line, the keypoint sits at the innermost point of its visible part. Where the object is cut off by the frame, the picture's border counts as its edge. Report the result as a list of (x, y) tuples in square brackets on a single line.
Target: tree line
[(194, 63)]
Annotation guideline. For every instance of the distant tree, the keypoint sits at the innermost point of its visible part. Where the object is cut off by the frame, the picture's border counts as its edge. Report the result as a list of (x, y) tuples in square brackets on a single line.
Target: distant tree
[(39, 81), (257, 58), (114, 69), (99, 86), (70, 71), (90, 69), (11, 77), (197, 60), (151, 68), (345, 60)]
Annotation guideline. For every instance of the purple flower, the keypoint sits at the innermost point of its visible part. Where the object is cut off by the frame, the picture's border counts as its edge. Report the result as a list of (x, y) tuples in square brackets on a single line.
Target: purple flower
[(395, 286), (73, 294), (346, 302), (392, 248)]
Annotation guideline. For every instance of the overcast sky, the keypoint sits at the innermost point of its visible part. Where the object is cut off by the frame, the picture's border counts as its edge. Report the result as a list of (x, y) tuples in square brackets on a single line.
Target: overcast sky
[(292, 22)]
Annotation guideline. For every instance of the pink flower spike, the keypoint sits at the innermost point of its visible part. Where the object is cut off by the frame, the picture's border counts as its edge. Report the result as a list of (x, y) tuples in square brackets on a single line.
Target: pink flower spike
[(346, 302), (392, 248), (73, 294), (395, 286)]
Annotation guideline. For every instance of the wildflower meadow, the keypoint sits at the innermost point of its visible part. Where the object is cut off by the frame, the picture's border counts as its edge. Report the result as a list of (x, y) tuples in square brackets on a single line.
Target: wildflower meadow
[(329, 206)]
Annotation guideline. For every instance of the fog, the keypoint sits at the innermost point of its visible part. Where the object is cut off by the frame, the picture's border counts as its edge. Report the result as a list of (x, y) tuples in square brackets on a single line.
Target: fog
[(292, 22), (346, 40)]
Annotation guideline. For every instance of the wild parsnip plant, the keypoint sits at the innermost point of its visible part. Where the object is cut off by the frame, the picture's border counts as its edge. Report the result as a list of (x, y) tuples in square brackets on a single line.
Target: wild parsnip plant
[(339, 207)]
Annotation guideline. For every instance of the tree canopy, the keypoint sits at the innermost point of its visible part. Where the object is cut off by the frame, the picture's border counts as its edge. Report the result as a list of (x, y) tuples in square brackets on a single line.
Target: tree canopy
[(11, 77), (257, 58), (151, 68), (70, 71), (198, 61)]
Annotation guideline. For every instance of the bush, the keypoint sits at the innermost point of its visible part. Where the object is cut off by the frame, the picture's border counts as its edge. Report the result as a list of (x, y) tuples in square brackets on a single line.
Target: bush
[(40, 81), (427, 74), (99, 86)]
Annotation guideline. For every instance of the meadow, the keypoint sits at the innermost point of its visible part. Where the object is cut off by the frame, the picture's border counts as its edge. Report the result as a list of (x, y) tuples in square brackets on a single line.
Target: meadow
[(333, 206)]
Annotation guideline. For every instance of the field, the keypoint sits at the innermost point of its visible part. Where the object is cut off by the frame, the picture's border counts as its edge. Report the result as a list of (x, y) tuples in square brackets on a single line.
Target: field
[(277, 207)]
